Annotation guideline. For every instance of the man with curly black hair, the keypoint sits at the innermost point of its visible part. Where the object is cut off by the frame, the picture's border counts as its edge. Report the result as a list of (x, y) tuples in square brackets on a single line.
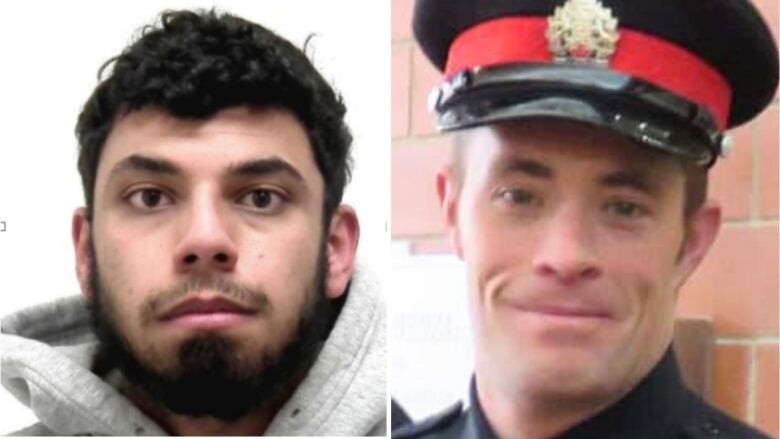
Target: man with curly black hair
[(216, 261)]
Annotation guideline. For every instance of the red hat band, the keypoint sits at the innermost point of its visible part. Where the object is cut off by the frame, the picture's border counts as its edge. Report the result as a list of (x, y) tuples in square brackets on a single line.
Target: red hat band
[(668, 66)]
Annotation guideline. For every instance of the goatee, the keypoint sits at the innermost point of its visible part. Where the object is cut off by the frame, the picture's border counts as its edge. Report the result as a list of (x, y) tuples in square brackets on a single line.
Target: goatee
[(212, 379)]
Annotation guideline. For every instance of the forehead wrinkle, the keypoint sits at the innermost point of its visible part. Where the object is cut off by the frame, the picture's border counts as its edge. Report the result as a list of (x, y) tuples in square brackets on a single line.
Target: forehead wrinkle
[(518, 165), (581, 141), (542, 140), (638, 180)]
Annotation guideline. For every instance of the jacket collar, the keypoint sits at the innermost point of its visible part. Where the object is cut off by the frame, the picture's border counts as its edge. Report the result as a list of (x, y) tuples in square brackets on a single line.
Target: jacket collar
[(650, 410)]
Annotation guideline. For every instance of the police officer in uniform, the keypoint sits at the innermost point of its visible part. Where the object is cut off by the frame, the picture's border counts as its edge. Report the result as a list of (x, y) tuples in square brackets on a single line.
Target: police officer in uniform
[(583, 132)]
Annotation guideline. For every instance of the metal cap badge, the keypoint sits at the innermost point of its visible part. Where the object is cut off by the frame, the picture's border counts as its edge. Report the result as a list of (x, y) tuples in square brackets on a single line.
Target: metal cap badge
[(583, 32)]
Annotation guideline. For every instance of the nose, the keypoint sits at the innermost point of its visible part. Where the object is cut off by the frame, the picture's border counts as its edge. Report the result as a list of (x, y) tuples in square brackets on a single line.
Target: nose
[(206, 245), (565, 250)]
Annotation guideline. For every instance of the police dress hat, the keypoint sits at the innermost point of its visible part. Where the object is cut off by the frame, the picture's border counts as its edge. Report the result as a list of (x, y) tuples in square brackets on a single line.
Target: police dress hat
[(670, 74)]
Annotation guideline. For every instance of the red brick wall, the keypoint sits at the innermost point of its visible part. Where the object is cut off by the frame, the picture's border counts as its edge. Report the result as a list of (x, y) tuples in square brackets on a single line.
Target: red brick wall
[(737, 285)]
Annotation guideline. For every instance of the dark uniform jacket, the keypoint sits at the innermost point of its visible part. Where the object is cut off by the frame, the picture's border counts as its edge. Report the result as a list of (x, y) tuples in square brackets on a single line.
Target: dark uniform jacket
[(660, 407)]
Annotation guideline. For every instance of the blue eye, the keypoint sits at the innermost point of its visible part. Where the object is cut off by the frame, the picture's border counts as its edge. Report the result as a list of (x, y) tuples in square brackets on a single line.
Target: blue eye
[(149, 198), (626, 209), (517, 197)]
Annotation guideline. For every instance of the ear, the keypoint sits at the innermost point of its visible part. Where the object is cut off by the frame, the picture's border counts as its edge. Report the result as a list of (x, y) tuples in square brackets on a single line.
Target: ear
[(448, 189), (703, 227), (81, 234), (343, 237)]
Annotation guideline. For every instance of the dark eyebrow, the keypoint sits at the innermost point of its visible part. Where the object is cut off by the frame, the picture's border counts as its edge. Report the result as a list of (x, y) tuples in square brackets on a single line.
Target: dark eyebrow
[(527, 166), (146, 164), (632, 179), (628, 179), (264, 167)]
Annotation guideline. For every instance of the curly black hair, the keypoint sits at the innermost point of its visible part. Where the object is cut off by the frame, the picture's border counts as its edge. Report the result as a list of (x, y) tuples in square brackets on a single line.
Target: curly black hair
[(195, 63)]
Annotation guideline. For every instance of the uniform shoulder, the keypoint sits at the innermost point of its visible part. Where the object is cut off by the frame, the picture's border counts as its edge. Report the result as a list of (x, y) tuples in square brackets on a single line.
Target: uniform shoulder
[(430, 425), (713, 423)]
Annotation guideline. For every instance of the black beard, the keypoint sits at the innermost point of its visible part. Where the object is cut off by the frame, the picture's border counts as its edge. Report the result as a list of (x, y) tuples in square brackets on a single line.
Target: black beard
[(211, 380)]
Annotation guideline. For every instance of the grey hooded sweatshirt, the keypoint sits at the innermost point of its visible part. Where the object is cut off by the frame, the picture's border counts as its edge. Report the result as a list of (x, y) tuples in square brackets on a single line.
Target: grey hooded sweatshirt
[(47, 351)]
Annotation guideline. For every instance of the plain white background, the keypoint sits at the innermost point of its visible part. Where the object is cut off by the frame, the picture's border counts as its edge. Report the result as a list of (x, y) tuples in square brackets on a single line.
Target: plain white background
[(430, 334), (51, 52)]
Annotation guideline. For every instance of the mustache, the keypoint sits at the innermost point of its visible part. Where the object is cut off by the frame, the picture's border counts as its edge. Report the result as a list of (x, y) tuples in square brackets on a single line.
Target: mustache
[(249, 297)]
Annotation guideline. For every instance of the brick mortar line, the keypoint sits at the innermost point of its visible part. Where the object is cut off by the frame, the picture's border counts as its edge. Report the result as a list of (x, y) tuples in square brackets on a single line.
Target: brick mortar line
[(751, 223), (755, 177), (752, 378), (747, 341)]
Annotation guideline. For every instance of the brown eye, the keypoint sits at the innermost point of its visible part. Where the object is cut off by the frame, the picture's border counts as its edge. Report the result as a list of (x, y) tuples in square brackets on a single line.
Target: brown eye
[(262, 200), (149, 199)]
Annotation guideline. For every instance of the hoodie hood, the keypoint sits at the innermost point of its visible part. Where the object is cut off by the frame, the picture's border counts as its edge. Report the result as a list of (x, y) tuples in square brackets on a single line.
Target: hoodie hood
[(47, 352)]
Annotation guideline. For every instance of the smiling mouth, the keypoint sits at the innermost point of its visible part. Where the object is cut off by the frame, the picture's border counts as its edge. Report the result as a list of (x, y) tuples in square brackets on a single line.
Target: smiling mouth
[(564, 313)]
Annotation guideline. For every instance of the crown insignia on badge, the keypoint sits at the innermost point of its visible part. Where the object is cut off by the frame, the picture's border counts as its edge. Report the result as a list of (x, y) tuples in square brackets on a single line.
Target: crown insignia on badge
[(583, 32)]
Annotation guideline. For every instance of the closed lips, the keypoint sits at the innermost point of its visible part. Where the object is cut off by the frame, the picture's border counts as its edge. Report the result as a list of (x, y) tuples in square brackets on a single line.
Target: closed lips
[(205, 306), (564, 310)]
